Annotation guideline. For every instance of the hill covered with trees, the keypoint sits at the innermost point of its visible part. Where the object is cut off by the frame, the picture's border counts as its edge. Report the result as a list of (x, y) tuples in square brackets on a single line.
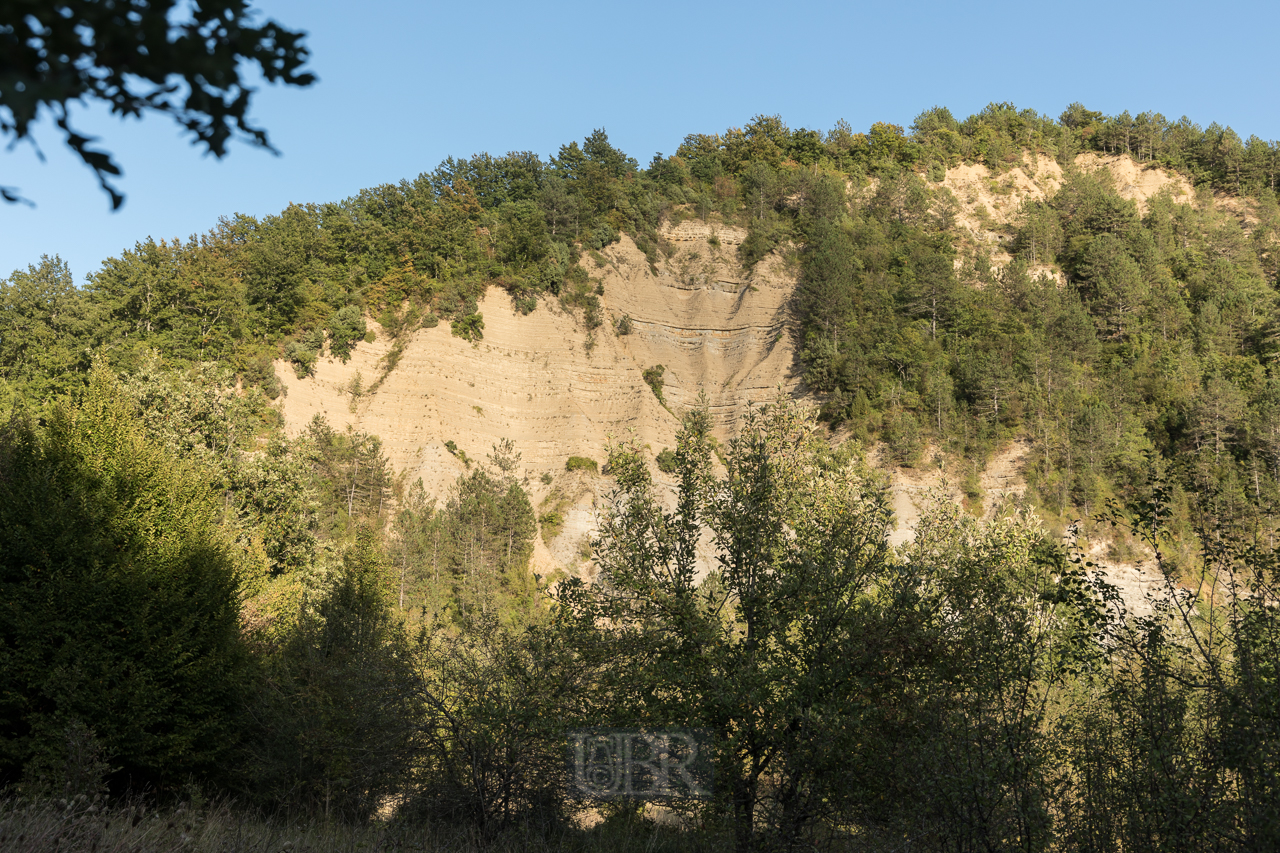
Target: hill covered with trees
[(359, 643)]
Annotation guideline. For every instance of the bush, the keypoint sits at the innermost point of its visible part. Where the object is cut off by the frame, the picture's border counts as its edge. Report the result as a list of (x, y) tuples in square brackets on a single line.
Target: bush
[(591, 314), (666, 460), (453, 448), (581, 463), (551, 523), (469, 327), (346, 328), (262, 373), (623, 326), (653, 378), (303, 358), (525, 303)]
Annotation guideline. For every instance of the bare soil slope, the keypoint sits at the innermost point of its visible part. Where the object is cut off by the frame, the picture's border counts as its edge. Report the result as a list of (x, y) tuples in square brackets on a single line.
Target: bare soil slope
[(558, 390)]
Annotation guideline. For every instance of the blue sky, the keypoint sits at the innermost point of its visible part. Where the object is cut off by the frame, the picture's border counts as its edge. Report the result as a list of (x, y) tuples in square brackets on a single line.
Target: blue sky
[(404, 84)]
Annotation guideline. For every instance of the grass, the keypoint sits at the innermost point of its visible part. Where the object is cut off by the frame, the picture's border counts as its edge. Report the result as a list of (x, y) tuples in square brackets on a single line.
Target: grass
[(90, 826), (87, 826)]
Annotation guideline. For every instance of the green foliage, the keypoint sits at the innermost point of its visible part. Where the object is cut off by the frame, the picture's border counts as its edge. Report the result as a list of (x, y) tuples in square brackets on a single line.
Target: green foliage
[(491, 526), (551, 524), (103, 530), (199, 415), (44, 326), (86, 51), (497, 699), (796, 545), (339, 708), (962, 691), (470, 327), (351, 475), (580, 291), (453, 448), (303, 359), (652, 377), (581, 463), (847, 687), (1179, 711), (346, 327), (473, 553)]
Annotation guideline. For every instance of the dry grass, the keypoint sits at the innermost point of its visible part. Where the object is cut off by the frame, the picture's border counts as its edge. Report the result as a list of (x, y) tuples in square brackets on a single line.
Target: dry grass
[(87, 826), (83, 826)]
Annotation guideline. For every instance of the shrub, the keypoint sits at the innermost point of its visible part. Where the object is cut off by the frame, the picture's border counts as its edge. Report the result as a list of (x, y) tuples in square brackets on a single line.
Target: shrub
[(314, 339), (469, 327), (453, 448), (525, 303), (303, 358), (581, 463), (591, 316), (346, 328), (653, 378), (552, 523), (623, 326), (666, 460)]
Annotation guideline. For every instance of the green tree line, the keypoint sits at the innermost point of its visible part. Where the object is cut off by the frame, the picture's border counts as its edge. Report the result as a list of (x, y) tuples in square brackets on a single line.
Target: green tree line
[(424, 249)]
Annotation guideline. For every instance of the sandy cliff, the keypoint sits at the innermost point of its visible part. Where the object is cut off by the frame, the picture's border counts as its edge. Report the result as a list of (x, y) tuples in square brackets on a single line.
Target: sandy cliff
[(557, 390)]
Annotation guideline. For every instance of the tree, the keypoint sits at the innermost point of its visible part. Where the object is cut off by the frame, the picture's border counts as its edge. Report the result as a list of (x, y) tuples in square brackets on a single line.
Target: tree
[(341, 707), (42, 318), (770, 650), (119, 602), (825, 295), (1113, 284), (140, 56)]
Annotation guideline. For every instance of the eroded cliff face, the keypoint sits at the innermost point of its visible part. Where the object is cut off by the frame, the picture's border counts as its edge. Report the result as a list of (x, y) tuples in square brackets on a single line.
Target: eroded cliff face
[(557, 389)]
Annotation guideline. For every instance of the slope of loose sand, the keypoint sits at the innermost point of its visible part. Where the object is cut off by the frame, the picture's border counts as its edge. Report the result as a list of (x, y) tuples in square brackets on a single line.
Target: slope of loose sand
[(556, 390)]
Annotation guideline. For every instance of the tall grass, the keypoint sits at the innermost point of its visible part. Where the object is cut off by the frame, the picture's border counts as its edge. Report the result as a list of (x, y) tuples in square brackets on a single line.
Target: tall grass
[(84, 825)]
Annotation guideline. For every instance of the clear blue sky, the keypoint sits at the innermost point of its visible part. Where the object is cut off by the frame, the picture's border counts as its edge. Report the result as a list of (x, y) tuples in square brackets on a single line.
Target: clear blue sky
[(405, 84)]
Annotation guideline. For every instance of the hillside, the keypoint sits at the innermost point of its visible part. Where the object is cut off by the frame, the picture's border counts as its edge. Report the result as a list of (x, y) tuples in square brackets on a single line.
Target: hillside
[(351, 512), (557, 389), (1062, 313), (534, 379)]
